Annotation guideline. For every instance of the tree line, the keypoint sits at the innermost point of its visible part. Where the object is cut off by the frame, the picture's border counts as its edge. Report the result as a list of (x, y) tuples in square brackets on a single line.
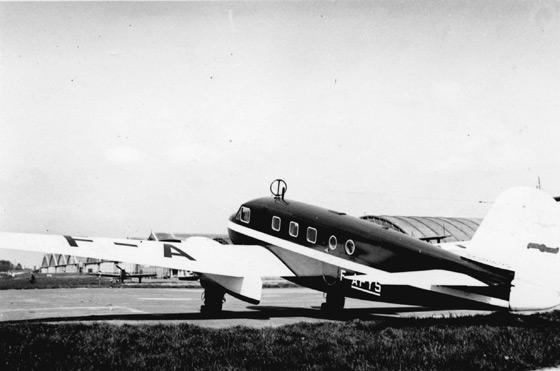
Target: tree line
[(6, 265)]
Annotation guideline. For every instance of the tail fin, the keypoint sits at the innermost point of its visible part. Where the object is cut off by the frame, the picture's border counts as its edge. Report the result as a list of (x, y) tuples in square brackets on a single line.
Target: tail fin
[(522, 230)]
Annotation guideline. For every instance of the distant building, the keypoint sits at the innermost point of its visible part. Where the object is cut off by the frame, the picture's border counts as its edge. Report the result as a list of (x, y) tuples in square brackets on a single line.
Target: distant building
[(458, 229)]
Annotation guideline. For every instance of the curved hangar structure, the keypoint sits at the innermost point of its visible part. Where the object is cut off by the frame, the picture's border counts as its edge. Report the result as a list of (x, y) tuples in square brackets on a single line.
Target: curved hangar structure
[(427, 227)]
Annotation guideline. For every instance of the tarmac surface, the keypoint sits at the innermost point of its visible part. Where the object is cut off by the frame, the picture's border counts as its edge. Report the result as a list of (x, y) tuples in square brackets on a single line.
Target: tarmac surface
[(279, 306)]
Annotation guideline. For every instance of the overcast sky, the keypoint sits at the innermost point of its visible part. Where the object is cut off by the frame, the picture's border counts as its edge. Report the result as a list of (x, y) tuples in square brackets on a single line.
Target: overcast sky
[(119, 118)]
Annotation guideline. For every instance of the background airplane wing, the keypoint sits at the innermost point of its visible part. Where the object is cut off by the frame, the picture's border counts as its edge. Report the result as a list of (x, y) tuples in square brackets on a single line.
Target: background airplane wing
[(101, 274)]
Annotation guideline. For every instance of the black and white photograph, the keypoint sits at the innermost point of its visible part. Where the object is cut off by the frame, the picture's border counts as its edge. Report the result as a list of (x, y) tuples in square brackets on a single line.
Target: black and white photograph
[(280, 185)]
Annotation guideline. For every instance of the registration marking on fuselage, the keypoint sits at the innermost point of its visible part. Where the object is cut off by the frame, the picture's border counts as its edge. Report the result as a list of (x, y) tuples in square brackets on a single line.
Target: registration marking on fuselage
[(373, 288)]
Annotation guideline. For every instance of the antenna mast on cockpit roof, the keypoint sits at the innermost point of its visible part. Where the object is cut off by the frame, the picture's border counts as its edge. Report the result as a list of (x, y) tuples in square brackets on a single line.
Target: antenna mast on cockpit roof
[(278, 188)]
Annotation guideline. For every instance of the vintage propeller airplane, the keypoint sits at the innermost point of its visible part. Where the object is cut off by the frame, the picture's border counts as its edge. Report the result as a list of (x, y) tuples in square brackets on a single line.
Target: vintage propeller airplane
[(511, 263)]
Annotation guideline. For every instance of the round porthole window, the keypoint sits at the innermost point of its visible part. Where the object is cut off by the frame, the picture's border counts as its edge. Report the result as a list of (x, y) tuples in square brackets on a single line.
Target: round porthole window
[(332, 242), (350, 247)]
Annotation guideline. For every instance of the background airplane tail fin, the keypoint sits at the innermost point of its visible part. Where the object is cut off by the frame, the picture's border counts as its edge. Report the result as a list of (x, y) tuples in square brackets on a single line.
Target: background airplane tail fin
[(522, 231)]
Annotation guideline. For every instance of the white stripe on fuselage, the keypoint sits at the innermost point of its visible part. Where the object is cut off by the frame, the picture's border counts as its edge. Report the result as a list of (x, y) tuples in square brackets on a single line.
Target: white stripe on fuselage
[(380, 276), (303, 250)]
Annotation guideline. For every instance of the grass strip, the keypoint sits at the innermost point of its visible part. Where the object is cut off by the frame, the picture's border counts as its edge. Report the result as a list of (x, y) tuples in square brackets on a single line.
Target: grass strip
[(499, 341)]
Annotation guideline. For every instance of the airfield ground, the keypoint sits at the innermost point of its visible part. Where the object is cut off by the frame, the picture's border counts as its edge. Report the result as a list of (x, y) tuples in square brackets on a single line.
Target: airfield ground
[(147, 328), (280, 306)]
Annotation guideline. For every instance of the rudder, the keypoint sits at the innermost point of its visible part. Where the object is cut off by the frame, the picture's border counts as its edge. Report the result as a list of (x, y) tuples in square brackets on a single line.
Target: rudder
[(522, 231)]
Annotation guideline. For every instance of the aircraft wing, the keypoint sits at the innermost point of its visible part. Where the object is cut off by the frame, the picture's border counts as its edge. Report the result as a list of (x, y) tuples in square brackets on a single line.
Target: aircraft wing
[(101, 274), (436, 238), (136, 275), (118, 275), (196, 254), (238, 268)]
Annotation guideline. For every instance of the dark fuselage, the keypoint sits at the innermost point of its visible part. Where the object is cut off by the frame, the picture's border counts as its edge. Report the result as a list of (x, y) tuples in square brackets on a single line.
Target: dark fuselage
[(373, 246)]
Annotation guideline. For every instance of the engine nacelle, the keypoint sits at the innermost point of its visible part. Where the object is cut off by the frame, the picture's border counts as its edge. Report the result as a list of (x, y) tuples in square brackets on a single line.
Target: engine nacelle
[(529, 297)]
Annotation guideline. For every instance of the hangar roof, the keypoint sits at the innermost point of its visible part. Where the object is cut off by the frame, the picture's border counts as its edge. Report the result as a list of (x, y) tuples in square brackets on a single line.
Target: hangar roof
[(458, 229)]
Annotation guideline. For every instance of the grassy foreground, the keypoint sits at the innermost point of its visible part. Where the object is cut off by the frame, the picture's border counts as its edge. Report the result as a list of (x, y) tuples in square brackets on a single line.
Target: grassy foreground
[(498, 341)]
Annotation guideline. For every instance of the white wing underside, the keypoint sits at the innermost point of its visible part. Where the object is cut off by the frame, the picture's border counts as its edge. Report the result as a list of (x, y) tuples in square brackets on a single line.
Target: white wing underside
[(196, 254)]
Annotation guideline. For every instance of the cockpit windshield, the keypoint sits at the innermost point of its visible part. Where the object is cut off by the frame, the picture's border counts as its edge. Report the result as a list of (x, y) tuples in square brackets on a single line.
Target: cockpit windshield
[(243, 214)]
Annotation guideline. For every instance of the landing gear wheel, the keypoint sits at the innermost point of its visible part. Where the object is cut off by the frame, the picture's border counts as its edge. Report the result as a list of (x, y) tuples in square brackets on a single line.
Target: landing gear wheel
[(213, 298), (334, 303)]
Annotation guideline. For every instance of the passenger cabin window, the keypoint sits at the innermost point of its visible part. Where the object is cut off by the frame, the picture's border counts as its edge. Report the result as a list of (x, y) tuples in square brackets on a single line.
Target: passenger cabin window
[(350, 247), (276, 222), (311, 235), (294, 229), (244, 214), (332, 242)]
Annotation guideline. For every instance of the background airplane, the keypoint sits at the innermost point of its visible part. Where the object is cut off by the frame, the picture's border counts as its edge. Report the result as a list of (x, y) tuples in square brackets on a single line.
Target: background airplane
[(13, 274), (510, 264), (123, 275)]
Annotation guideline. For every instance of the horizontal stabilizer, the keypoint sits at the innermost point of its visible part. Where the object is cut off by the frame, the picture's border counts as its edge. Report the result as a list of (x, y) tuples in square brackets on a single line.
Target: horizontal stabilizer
[(435, 238)]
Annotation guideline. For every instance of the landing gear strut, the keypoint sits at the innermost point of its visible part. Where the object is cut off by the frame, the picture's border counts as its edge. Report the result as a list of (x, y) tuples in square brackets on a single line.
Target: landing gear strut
[(334, 303), (213, 298)]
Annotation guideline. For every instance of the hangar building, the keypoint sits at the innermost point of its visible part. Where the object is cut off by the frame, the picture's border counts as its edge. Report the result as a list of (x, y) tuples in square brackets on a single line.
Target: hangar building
[(456, 229)]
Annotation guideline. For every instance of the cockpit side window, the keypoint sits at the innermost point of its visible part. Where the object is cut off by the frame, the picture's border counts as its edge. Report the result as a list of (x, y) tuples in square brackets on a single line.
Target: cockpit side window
[(244, 214), (350, 247), (276, 223), (294, 229), (332, 242), (311, 235)]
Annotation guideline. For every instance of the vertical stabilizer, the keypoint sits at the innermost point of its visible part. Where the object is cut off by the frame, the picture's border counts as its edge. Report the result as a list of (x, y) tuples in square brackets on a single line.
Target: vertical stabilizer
[(522, 230)]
